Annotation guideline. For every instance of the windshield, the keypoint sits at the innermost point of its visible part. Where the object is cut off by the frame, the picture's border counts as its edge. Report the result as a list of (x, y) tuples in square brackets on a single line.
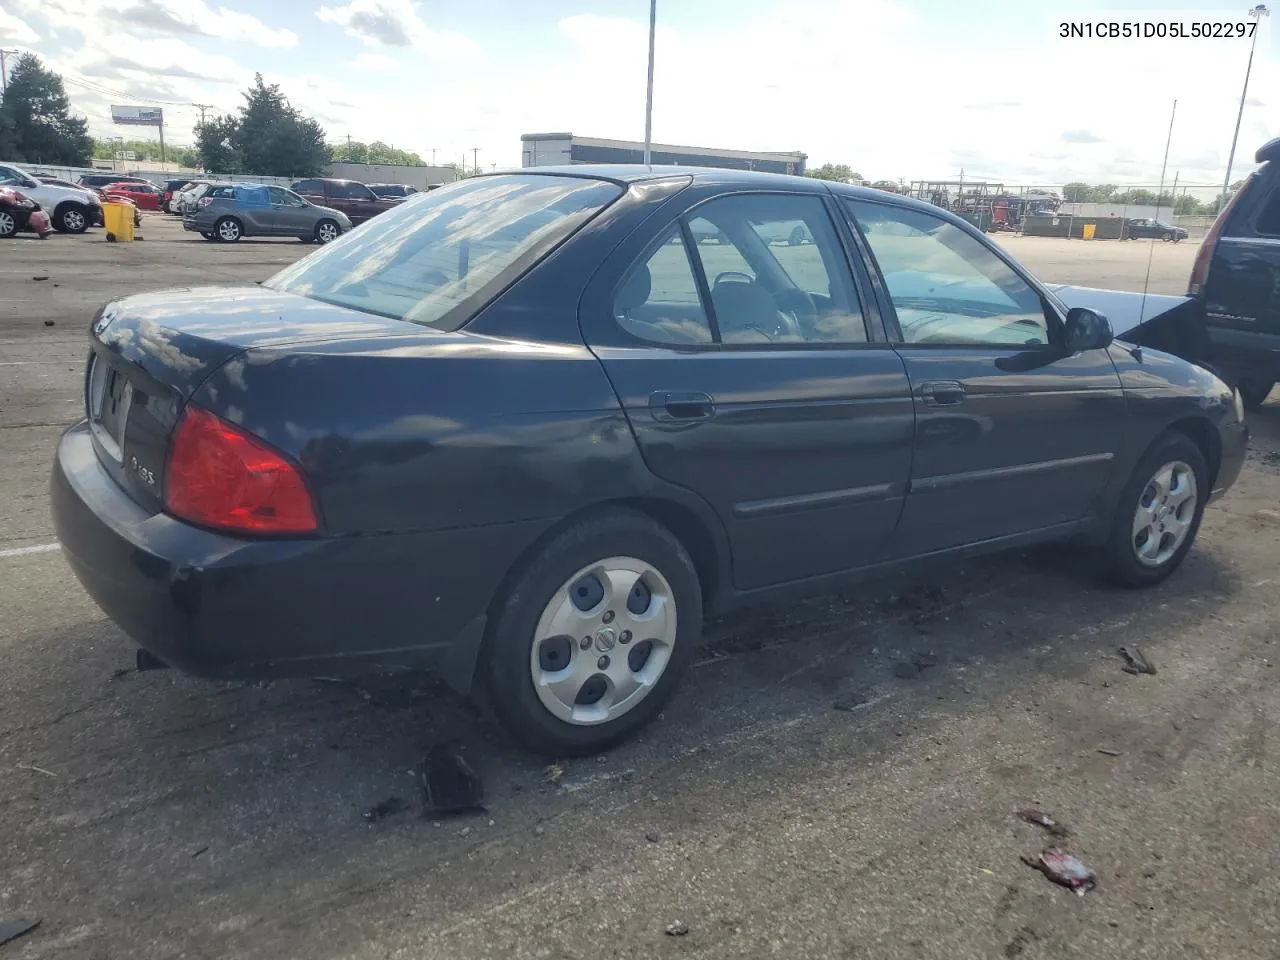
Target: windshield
[(439, 256)]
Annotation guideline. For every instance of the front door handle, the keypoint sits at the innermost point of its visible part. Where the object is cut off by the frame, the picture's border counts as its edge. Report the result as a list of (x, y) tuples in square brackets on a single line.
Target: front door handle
[(942, 393), (672, 406)]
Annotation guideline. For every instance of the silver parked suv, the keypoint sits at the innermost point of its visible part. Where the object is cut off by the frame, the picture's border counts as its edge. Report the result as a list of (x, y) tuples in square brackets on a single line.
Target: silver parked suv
[(229, 211)]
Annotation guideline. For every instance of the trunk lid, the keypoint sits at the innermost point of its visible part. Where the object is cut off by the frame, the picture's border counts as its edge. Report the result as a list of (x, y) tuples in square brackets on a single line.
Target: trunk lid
[(149, 353)]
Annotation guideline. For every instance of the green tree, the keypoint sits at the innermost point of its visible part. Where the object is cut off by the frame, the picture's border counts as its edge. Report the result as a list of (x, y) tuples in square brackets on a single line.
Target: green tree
[(354, 151), (839, 172), (36, 125), (269, 138), (1076, 192), (217, 147)]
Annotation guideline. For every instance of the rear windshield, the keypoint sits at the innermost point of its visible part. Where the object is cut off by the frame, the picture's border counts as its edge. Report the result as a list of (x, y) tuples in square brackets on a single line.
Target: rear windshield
[(438, 257)]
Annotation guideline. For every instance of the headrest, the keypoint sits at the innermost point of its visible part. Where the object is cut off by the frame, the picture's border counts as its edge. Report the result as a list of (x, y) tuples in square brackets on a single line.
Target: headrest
[(635, 291)]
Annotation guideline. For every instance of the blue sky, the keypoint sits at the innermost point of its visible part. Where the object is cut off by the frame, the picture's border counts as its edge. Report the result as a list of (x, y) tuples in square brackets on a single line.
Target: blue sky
[(896, 88)]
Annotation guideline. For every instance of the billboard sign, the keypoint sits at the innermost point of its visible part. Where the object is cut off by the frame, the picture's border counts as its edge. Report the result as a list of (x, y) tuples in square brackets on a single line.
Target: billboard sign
[(138, 116)]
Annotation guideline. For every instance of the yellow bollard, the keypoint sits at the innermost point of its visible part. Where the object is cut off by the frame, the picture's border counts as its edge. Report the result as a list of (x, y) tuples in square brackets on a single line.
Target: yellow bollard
[(118, 220)]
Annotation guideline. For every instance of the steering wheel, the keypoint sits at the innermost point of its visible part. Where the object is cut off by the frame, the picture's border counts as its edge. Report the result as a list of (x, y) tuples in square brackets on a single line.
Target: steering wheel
[(798, 312)]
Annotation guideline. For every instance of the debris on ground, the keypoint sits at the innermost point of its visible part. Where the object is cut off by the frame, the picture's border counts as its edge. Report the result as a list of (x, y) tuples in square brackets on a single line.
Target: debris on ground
[(48, 323), (34, 769), (552, 772), (1063, 868), (38, 279), (677, 929), (1135, 662), (1041, 819), (653, 836), (1020, 941), (200, 853), (386, 808), (15, 929), (923, 661), (848, 704), (1108, 752), (449, 783)]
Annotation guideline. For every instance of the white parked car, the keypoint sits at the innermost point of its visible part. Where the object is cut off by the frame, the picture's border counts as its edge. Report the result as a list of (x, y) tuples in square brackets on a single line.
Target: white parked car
[(72, 209), (184, 201)]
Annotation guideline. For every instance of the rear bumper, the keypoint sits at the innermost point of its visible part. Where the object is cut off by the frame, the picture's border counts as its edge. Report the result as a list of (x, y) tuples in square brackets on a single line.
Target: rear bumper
[(226, 607)]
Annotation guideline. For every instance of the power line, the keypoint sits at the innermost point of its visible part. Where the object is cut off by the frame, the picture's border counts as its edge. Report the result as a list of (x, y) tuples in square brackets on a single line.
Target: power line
[(96, 87)]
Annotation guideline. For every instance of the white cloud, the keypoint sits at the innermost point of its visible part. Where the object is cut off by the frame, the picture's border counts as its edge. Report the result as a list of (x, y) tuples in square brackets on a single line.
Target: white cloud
[(14, 30), (158, 17), (395, 23), (373, 62)]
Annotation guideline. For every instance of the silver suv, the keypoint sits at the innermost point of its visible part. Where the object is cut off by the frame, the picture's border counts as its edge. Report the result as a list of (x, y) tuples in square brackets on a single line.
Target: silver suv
[(229, 211)]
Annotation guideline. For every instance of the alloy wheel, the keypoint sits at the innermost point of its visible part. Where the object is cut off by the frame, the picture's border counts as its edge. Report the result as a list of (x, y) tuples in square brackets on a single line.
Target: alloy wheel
[(603, 641), (1165, 513), (327, 232), (229, 231), (8, 225)]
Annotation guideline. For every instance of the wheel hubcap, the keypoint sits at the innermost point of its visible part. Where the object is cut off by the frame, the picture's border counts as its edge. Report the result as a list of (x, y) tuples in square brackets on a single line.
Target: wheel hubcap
[(229, 231), (1165, 512), (603, 641), (73, 220), (328, 232), (6, 223)]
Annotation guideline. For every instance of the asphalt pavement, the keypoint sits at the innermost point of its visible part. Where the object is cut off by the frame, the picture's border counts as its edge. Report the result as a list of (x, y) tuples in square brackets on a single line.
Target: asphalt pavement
[(835, 778)]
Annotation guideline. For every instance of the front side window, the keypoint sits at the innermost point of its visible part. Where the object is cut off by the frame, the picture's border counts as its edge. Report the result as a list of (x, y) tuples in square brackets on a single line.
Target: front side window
[(659, 299), (1269, 217), (947, 286), (439, 256), (283, 198)]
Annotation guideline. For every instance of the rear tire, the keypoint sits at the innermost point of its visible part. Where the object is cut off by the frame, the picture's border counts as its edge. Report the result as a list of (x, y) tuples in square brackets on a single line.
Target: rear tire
[(1158, 514), (606, 691), (1254, 393), (228, 230), (8, 224)]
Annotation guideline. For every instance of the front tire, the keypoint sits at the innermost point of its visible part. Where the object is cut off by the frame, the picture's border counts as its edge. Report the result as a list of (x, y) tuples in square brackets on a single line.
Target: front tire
[(8, 224), (327, 231), (1158, 514), (228, 230), (593, 635), (1254, 393), (71, 218)]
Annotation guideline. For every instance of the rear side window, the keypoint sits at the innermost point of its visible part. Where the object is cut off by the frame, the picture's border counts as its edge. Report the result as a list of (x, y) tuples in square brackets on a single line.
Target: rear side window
[(351, 191), (438, 257), (308, 186), (659, 300), (1268, 224), (222, 193)]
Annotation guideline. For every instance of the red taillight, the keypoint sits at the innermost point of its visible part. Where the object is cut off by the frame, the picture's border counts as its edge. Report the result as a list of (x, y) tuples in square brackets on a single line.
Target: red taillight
[(204, 201), (1204, 256), (220, 476)]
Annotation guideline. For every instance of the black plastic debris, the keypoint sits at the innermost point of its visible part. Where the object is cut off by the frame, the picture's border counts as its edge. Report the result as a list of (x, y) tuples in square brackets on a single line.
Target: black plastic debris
[(1135, 662), (15, 929), (49, 323), (1041, 819), (386, 808), (449, 783), (677, 929), (1064, 869), (39, 279)]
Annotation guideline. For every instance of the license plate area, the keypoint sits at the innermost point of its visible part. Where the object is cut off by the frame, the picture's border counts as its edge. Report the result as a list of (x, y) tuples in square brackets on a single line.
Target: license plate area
[(110, 399)]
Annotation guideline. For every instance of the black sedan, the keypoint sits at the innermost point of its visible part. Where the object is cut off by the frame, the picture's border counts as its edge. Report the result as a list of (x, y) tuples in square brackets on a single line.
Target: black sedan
[(526, 432), (1145, 228)]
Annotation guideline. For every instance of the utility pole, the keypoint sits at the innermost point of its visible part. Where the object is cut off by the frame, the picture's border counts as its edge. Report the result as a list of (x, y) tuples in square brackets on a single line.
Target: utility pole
[(648, 99), (1257, 13), (433, 156), (202, 107), (4, 72), (475, 159)]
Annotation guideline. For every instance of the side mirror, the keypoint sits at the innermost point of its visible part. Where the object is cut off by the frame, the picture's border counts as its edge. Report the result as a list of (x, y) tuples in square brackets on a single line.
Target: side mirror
[(29, 183), (1086, 330)]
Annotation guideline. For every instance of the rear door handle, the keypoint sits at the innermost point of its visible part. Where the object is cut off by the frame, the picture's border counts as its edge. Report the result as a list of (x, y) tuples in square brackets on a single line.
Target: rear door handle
[(672, 406), (942, 393)]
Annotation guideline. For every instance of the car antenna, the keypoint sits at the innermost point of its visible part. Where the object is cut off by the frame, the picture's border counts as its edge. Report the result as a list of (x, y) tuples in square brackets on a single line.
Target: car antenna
[(1151, 248)]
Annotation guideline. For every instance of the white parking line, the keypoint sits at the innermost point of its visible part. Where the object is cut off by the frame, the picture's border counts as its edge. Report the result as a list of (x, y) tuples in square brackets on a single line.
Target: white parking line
[(23, 551)]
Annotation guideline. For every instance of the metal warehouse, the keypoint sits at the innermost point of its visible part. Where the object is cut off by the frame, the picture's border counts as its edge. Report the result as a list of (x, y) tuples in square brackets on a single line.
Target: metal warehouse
[(557, 149)]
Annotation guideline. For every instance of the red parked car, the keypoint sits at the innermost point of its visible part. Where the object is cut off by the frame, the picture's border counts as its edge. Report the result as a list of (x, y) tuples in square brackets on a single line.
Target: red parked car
[(20, 212), (145, 196)]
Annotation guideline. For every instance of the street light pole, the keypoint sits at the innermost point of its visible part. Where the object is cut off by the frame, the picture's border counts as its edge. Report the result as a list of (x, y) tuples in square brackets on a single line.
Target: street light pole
[(1257, 13), (648, 100)]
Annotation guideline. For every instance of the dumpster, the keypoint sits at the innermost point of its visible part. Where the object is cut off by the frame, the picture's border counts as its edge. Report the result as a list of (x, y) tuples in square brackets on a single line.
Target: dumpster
[(1088, 230), (118, 219)]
